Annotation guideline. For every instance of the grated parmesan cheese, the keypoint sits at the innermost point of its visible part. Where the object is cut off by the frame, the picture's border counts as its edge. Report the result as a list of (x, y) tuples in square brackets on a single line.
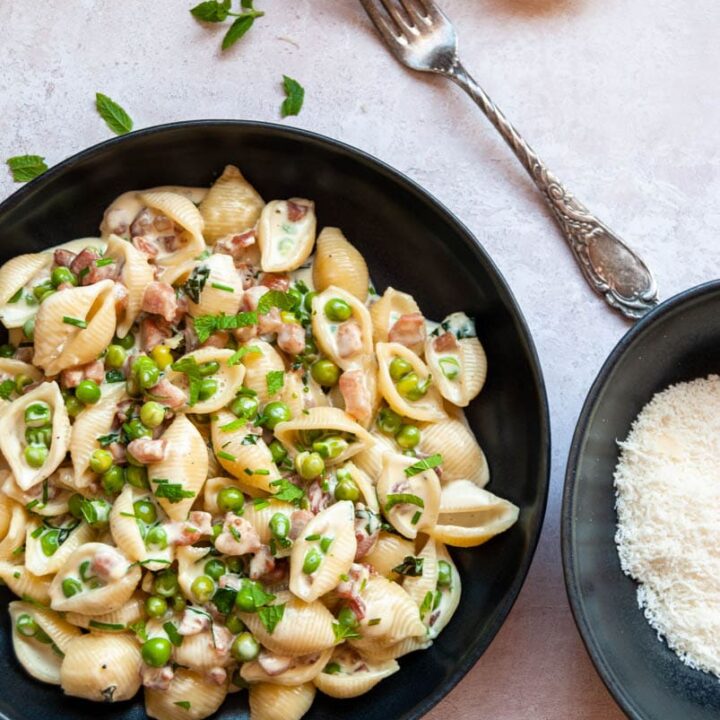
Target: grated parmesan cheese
[(668, 504)]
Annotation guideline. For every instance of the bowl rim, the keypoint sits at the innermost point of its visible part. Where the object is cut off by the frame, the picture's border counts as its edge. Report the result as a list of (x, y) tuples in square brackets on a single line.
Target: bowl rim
[(448, 217), (568, 550)]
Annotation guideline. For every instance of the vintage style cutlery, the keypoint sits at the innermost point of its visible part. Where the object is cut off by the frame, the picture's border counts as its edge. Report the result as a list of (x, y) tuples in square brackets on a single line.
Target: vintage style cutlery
[(421, 37)]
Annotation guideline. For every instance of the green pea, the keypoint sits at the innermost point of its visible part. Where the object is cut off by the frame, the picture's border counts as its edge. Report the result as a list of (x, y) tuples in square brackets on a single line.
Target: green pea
[(309, 465), (38, 436), (230, 498), (245, 647), (145, 510), (214, 568), (245, 598), (152, 414), (296, 295), (332, 668), (70, 587), (29, 328), (312, 561), (450, 367), (234, 565), (399, 368), (278, 451), (444, 574), (275, 413), (39, 291), (26, 625), (244, 406), (156, 537), (113, 479), (208, 387), (202, 588), (115, 356), (136, 429), (73, 405), (408, 436), (389, 422), (310, 346), (7, 350), (307, 303), (136, 476), (419, 391), (43, 637), (347, 489), (75, 504), (165, 583), (217, 528), (126, 343), (337, 310), (279, 526), (36, 455), (156, 606), (101, 460), (179, 603), (88, 392), (330, 447), (145, 371), (96, 512), (234, 624), (409, 386), (209, 368), (156, 652), (50, 542), (308, 437), (325, 373), (63, 275), (38, 414), (347, 618), (85, 570)]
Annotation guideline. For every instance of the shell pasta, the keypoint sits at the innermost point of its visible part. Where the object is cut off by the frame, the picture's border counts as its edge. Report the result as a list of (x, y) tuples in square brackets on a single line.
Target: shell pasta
[(228, 463)]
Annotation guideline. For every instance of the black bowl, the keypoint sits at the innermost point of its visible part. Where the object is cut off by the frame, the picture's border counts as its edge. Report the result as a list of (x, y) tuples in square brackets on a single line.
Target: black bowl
[(409, 240), (678, 341)]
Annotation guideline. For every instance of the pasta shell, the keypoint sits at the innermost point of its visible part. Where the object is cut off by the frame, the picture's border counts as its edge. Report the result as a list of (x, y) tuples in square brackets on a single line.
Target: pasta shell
[(365, 485), (41, 659), (355, 677), (115, 621), (470, 516), (12, 435), (304, 670), (189, 687), (15, 274), (386, 311), (449, 596), (335, 524), (92, 422), (190, 566), (223, 289), (229, 378), (277, 702), (257, 367), (136, 275), (6, 506), (101, 667), (305, 628), (293, 393), (460, 372), (376, 653), (239, 458), (24, 584), (232, 205), (119, 586), (389, 552), (38, 563), (15, 534), (326, 419), (11, 368), (57, 489), (59, 344), (185, 464), (429, 407), (259, 515), (329, 334), (183, 213), (422, 491), (462, 456), (285, 244), (339, 263), (198, 652), (78, 245), (370, 460)]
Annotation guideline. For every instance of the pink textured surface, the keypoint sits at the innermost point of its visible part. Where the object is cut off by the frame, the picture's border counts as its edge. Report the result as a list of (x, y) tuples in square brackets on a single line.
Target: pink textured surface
[(617, 95)]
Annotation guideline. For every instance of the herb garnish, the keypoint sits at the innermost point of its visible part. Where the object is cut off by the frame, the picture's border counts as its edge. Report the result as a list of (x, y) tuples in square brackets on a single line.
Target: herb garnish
[(403, 499), (295, 94), (287, 491), (206, 325), (271, 615), (213, 11), (344, 632), (410, 566), (172, 492), (114, 116), (427, 463), (195, 283), (275, 380), (26, 167)]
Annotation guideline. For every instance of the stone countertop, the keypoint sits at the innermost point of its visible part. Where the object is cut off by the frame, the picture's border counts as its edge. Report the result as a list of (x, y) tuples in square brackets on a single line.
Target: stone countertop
[(618, 96)]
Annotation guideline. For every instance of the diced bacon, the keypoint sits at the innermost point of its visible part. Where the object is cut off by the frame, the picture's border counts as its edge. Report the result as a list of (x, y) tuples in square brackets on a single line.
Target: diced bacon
[(222, 639), (297, 210), (191, 338), (162, 223), (350, 589), (365, 541), (246, 333), (193, 622), (270, 323), (291, 338), (108, 564), (274, 664), (120, 229), (236, 245), (409, 330), (317, 497), (278, 575), (349, 339), (446, 342), (247, 273), (25, 354), (356, 394), (262, 563), (159, 299), (276, 281), (95, 370), (190, 531), (84, 260), (169, 394), (217, 339), (238, 537), (71, 377), (104, 272), (147, 450), (171, 243), (230, 581), (181, 310), (153, 332), (63, 258), (298, 520), (65, 286), (122, 413), (146, 246), (252, 296), (143, 222), (157, 678), (217, 675), (118, 452), (121, 297)]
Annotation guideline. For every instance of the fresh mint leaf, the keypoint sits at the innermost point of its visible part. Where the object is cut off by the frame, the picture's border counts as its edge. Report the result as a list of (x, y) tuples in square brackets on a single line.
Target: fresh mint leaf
[(271, 615), (26, 167), (237, 30), (114, 116), (427, 463), (275, 380), (287, 491), (195, 284), (211, 11), (394, 499), (275, 298), (224, 599), (172, 632), (410, 566), (344, 632), (294, 97), (173, 492)]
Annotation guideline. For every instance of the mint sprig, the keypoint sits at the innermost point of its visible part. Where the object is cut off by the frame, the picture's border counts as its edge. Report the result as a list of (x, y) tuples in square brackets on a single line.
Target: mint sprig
[(214, 11), (114, 116), (294, 97)]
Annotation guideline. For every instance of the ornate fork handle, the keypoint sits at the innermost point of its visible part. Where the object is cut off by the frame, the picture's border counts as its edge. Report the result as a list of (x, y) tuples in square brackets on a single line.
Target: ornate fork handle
[(610, 267)]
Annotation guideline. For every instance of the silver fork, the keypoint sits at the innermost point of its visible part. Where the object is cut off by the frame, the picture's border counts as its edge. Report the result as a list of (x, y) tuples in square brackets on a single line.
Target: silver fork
[(421, 37)]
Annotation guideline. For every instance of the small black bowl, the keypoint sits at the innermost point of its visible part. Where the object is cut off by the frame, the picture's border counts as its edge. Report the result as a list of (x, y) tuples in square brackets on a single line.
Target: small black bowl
[(411, 242), (677, 341)]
